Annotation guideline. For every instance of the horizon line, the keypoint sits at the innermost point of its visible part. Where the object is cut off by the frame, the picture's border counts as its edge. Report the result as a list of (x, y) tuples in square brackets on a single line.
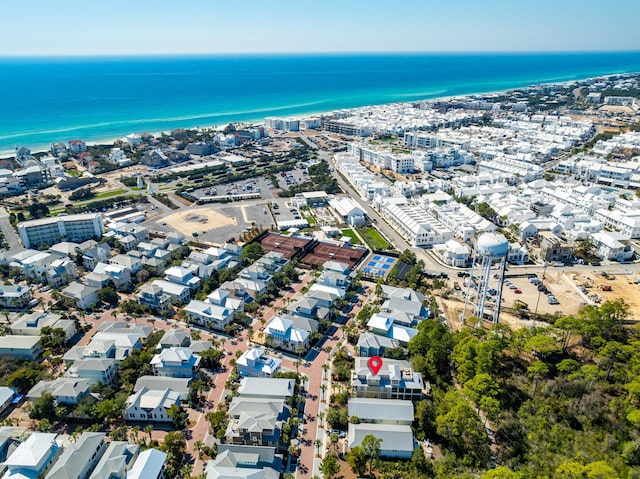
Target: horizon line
[(319, 53)]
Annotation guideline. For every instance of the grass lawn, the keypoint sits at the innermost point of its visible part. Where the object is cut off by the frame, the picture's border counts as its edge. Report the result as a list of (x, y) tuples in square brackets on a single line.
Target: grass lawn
[(351, 234), (73, 172), (108, 194), (373, 238)]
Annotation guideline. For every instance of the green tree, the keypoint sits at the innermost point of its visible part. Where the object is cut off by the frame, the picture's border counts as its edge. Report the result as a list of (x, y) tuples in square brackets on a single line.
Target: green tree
[(108, 295), (53, 338), (500, 473), (250, 253), (536, 370), (357, 461), (329, 466), (43, 408), (600, 470), (178, 416), (174, 445), (23, 379), (430, 350), (371, 449), (569, 470)]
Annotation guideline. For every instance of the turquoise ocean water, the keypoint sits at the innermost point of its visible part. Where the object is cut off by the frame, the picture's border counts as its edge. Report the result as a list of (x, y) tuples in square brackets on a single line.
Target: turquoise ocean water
[(43, 100)]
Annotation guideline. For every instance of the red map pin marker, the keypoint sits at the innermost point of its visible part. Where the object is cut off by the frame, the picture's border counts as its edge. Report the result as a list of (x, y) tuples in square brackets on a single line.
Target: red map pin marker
[(375, 364)]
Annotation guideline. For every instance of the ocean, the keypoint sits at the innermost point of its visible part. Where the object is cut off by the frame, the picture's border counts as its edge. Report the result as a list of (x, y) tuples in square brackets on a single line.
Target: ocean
[(44, 100)]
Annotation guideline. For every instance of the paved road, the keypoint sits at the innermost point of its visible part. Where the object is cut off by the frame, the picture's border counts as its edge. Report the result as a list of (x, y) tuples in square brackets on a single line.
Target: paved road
[(9, 233)]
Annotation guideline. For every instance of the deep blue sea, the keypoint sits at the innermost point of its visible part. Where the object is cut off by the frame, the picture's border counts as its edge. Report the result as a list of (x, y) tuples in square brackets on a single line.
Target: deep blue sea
[(43, 100)]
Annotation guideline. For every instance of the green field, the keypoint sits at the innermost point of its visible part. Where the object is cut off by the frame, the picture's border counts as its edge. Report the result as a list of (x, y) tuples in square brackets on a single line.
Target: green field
[(351, 234), (108, 194), (373, 238)]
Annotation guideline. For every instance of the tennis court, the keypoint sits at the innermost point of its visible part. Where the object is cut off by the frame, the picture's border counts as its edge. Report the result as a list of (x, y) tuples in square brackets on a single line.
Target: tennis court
[(323, 252), (378, 265)]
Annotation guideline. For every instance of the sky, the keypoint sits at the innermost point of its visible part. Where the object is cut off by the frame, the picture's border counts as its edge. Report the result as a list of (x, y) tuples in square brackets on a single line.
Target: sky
[(118, 27)]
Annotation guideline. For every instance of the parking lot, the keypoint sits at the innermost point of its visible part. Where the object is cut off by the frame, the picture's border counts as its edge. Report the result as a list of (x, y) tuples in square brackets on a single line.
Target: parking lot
[(258, 184), (284, 211)]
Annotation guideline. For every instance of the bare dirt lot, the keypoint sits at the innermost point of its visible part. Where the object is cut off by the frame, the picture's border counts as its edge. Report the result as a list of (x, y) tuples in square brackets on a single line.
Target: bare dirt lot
[(198, 220), (622, 285), (573, 290)]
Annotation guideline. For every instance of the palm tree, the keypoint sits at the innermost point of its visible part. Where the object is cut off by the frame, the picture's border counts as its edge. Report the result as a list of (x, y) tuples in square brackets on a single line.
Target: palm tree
[(318, 444), (149, 429), (323, 390), (135, 431), (325, 369), (198, 447), (320, 418)]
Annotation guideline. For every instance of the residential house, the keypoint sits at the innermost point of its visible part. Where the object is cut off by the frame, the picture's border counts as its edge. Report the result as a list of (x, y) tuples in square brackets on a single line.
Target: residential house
[(395, 380), (326, 296), (83, 296), (381, 411), (183, 277), (160, 383), (228, 299), (77, 146), (6, 398), (64, 390), (66, 249), (397, 440), (125, 341), (554, 249), (31, 324), (177, 293), (116, 461), (175, 338), (370, 344), (256, 421), (453, 253), (282, 333), (235, 461), (154, 297), (106, 274), (61, 272), (33, 457), (150, 405), (142, 331), (156, 159), (270, 388), (255, 363), (129, 262), (175, 363), (96, 349), (99, 253), (21, 347), (612, 246), (95, 370), (383, 324), (14, 296), (210, 315), (79, 458), (149, 465)]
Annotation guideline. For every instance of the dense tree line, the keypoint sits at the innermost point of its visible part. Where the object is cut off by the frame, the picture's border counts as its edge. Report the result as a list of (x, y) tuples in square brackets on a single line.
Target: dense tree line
[(563, 400)]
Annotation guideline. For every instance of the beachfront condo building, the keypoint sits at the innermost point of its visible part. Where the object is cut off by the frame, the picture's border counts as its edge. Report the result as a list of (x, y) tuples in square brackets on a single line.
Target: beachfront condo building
[(76, 228)]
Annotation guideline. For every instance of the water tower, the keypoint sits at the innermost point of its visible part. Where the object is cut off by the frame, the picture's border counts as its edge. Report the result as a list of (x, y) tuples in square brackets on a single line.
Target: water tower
[(487, 276)]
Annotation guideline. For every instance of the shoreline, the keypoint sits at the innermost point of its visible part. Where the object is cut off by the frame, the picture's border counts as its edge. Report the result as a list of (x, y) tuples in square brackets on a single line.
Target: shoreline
[(411, 98)]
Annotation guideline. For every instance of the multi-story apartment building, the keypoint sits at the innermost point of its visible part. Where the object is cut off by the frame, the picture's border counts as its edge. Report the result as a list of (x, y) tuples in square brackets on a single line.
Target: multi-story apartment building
[(395, 380), (76, 228)]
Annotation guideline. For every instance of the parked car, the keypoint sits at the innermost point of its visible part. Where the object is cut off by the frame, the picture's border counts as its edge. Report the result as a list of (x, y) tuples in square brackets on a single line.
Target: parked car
[(517, 291)]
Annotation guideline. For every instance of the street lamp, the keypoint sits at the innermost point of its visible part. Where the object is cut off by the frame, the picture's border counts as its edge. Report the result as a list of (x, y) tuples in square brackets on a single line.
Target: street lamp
[(535, 313)]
